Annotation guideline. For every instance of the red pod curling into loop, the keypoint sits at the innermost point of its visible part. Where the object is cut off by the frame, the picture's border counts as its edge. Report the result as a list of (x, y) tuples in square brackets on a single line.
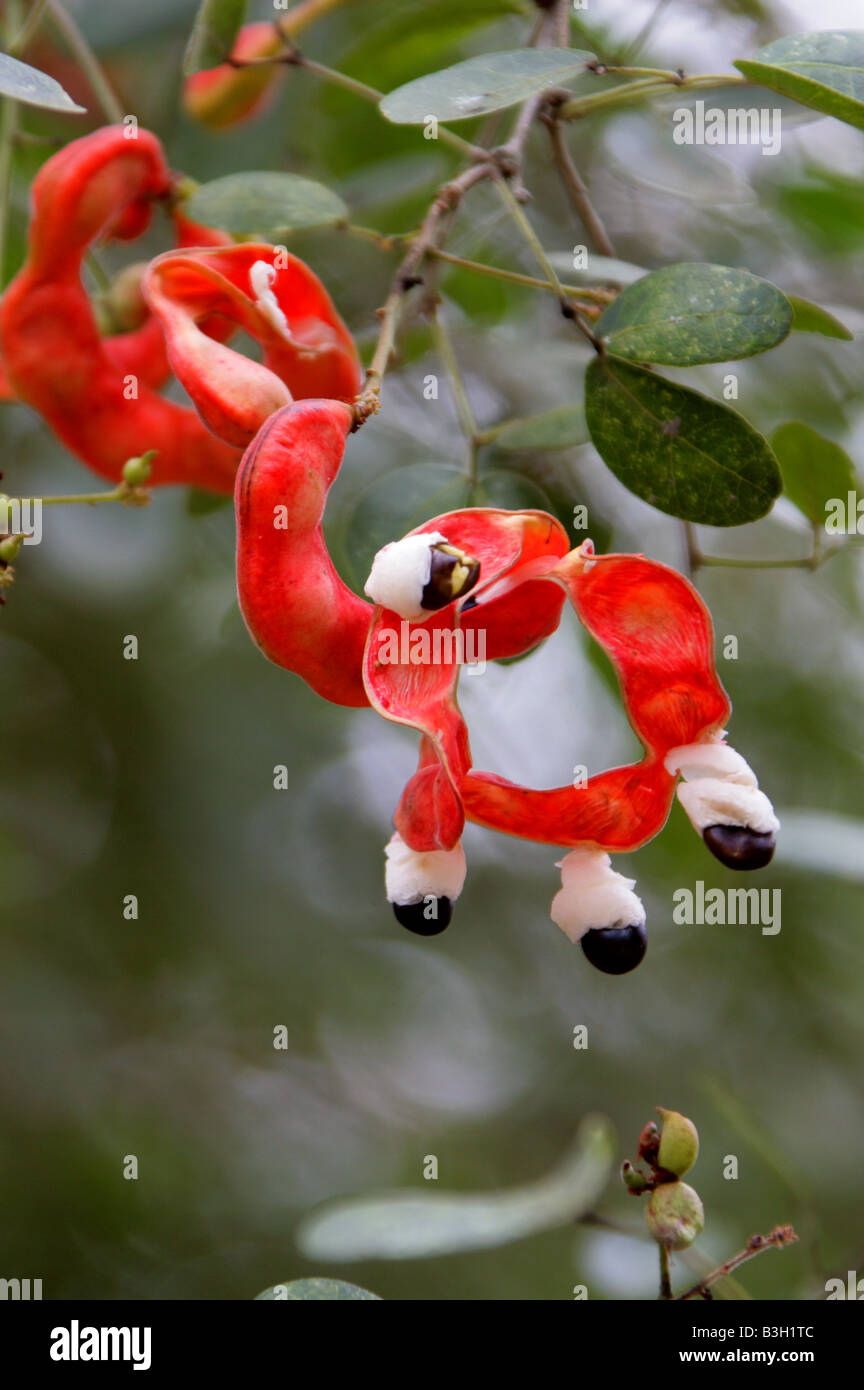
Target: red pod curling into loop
[(97, 394), (308, 351), (658, 634), (296, 607)]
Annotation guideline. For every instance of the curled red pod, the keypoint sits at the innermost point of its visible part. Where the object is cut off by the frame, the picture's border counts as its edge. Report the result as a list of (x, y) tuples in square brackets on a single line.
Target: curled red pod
[(658, 634), (308, 351), (97, 395), (297, 608)]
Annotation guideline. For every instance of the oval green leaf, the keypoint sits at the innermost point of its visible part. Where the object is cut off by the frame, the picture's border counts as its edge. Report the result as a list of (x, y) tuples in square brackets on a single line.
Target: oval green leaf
[(488, 83), (687, 314), (216, 26), (559, 428), (405, 1225), (823, 70), (264, 205), (683, 453), (815, 469), (307, 1290), (808, 317), (23, 83)]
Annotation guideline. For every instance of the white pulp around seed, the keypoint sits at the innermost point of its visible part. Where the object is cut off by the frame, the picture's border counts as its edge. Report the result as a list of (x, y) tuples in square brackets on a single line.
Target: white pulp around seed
[(262, 277), (593, 895), (412, 875), (400, 573), (720, 788)]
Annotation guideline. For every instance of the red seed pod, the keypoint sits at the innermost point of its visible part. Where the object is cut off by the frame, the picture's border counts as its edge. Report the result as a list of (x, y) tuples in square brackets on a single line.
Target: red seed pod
[(308, 351), (298, 610), (97, 394)]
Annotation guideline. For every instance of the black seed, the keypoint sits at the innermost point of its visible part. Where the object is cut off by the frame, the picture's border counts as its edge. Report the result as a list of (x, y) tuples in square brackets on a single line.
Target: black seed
[(615, 950), (441, 587), (738, 847), (425, 918)]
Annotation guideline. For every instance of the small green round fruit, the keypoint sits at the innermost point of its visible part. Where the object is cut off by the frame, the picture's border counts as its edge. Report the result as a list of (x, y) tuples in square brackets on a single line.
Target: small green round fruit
[(137, 471), (675, 1215)]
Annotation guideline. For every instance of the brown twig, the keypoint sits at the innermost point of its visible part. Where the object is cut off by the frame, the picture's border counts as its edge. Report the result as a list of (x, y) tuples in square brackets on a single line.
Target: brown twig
[(576, 189), (777, 1239)]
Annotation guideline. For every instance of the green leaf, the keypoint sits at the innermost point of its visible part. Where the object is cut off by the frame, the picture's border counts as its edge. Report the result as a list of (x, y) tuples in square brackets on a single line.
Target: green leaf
[(687, 314), (560, 428), (405, 1224), (808, 317), (309, 1289), (685, 454), (394, 504), (488, 83), (264, 204), (814, 469), (824, 70), (23, 83), (216, 26)]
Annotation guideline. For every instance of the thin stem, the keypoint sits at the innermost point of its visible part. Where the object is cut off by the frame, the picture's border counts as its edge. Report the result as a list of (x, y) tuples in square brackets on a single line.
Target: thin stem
[(444, 204), (388, 241), (27, 32), (627, 91), (594, 296), (294, 58), (777, 1239), (467, 422), (665, 1278), (515, 210), (741, 563), (8, 131), (577, 190), (90, 65), (122, 493)]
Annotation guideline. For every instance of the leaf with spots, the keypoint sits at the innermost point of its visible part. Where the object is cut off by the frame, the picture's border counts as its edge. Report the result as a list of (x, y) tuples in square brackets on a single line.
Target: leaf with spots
[(683, 453), (824, 70), (691, 313)]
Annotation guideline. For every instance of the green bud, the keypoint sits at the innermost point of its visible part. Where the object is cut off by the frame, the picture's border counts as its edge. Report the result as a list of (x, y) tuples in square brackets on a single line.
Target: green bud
[(679, 1142), (675, 1215), (633, 1180), (136, 471), (9, 548)]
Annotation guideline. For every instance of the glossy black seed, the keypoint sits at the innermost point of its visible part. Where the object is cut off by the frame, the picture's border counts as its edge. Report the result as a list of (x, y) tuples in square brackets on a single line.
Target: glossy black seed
[(615, 950), (738, 847), (425, 918), (452, 574)]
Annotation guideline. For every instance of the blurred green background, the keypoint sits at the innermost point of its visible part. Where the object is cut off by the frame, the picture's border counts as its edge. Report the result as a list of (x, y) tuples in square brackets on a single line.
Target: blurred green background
[(260, 908)]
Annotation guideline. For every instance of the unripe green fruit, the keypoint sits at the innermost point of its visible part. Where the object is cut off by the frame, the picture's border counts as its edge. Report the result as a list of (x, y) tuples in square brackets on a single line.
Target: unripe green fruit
[(136, 471), (674, 1215), (679, 1142), (9, 548)]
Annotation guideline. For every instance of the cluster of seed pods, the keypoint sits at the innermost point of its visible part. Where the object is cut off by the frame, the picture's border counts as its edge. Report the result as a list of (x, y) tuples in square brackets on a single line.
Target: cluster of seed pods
[(506, 573)]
